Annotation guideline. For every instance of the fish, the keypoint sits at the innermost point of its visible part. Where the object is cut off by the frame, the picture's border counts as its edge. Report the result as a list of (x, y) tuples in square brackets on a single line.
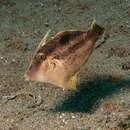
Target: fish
[(59, 59)]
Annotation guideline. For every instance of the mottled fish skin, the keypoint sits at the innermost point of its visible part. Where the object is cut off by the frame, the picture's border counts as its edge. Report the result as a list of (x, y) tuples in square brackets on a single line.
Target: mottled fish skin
[(62, 57)]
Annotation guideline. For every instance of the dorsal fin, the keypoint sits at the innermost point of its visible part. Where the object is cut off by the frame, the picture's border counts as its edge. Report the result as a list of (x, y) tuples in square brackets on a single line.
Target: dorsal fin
[(44, 39), (93, 24), (42, 43)]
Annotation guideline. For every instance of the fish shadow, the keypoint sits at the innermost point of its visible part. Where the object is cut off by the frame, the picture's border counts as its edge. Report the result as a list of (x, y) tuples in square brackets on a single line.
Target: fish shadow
[(90, 94)]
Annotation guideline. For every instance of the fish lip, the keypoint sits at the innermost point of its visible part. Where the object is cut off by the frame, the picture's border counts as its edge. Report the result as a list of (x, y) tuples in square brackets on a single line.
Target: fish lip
[(26, 77)]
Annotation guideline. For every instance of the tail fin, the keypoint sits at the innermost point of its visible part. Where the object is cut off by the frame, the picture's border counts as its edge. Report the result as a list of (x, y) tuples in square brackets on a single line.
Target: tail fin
[(96, 29)]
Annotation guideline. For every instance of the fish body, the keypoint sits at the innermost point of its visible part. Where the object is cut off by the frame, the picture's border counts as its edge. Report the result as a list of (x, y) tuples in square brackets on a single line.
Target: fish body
[(59, 59)]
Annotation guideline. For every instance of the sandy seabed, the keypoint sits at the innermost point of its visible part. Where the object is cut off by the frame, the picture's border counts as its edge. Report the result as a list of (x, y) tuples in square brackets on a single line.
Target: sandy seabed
[(102, 101)]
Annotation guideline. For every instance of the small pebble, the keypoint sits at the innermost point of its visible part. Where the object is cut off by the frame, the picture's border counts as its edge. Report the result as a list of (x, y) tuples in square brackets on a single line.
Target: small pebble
[(114, 113), (1, 58), (63, 120), (126, 66), (12, 120), (13, 60), (61, 126), (41, 4), (102, 109), (122, 101), (39, 100), (73, 117), (60, 116), (6, 61), (47, 24), (63, 114)]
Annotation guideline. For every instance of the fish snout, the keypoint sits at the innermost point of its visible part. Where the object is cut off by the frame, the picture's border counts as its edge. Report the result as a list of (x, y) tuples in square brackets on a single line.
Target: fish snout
[(30, 75), (27, 77)]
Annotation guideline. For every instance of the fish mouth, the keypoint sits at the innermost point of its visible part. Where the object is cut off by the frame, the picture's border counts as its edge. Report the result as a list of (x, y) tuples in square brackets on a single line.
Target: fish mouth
[(29, 76), (26, 77)]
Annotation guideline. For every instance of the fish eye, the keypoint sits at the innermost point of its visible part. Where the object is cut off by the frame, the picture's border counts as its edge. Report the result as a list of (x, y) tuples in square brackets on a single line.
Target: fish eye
[(40, 56)]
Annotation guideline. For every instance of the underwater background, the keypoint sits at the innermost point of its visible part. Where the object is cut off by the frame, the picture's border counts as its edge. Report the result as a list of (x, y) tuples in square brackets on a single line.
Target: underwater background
[(102, 100)]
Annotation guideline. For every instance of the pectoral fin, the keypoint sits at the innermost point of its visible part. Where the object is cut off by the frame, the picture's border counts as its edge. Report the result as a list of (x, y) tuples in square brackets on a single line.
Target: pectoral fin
[(71, 83)]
